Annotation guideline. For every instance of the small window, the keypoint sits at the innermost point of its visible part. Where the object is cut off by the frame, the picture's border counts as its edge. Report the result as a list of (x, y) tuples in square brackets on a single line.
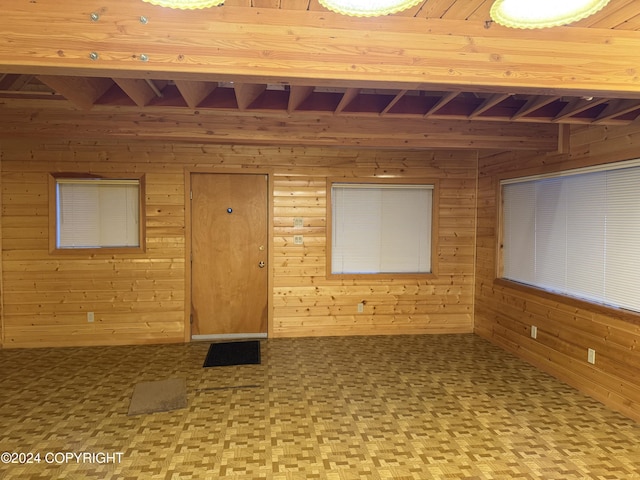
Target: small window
[(98, 213), (381, 228), (576, 233)]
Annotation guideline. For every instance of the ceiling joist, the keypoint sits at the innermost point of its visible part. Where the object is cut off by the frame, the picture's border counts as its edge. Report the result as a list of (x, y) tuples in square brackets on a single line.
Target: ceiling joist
[(243, 128), (488, 103), (533, 104), (247, 93), (295, 61), (347, 97), (82, 92), (578, 105), (297, 96), (441, 103), (302, 44), (395, 100), (139, 90), (85, 92), (195, 92), (617, 108)]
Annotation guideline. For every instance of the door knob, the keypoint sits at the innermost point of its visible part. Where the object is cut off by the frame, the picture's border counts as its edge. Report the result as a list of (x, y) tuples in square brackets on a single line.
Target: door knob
[(261, 264)]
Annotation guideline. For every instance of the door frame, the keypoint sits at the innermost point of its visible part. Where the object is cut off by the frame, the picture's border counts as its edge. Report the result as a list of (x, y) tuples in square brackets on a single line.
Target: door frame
[(188, 232)]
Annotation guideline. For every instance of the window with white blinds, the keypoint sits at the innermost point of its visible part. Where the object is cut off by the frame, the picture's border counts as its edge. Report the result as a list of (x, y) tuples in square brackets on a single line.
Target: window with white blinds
[(577, 233), (97, 213), (381, 228)]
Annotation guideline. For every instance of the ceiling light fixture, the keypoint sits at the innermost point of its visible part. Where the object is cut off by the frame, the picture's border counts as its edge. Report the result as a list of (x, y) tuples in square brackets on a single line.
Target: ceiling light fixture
[(368, 8), (186, 4), (543, 13)]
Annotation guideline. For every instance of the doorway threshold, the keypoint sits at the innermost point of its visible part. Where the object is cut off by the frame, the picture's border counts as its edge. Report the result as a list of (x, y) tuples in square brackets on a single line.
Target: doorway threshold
[(228, 336)]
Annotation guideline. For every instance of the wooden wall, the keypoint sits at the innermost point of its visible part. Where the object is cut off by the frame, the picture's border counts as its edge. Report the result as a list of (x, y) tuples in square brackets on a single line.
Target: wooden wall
[(140, 298), (566, 328)]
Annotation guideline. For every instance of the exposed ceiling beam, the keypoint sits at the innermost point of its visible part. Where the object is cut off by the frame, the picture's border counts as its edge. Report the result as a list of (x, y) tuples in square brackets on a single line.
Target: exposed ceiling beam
[(617, 108), (576, 106), (445, 99), (249, 43), (347, 98), (140, 91), (195, 92), (489, 103), (180, 124), (247, 93), (82, 92), (20, 81), (297, 95), (533, 104), (352, 102), (395, 100)]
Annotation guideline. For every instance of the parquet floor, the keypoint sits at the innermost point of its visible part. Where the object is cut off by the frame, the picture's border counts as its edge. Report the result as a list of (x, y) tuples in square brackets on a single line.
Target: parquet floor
[(404, 407)]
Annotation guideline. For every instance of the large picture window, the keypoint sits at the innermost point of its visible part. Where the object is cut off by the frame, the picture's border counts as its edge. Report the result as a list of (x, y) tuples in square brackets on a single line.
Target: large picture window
[(576, 233), (381, 228), (97, 213)]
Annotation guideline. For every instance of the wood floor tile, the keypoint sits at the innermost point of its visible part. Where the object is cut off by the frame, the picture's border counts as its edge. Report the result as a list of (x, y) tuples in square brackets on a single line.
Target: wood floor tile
[(408, 407)]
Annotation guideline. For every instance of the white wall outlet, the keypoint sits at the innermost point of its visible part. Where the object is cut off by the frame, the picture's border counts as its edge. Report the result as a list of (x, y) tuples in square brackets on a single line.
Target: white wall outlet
[(298, 239), (298, 222), (591, 356), (90, 317), (534, 331), (360, 307)]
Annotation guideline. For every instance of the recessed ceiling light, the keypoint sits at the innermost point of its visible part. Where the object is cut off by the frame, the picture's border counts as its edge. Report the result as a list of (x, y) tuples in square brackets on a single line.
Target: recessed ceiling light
[(186, 4), (543, 13), (368, 8)]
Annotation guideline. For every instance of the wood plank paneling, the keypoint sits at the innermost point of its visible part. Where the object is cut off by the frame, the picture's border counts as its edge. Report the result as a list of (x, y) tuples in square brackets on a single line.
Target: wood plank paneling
[(307, 303), (231, 127), (504, 312), (265, 45), (140, 298)]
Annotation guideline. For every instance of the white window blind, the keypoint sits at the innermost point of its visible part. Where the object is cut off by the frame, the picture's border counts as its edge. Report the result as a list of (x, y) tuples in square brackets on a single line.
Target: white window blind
[(576, 234), (380, 228), (97, 213)]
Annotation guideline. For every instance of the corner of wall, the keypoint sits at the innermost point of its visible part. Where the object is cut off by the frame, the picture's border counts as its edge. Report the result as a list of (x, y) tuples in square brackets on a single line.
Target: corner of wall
[(504, 313), (475, 246), (1, 258)]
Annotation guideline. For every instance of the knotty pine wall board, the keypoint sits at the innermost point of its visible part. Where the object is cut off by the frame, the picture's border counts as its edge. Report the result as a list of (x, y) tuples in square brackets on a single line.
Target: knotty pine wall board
[(142, 297), (504, 312)]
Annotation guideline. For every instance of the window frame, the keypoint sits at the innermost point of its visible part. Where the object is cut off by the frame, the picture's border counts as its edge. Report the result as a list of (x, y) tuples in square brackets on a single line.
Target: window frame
[(575, 301), (53, 214), (434, 184)]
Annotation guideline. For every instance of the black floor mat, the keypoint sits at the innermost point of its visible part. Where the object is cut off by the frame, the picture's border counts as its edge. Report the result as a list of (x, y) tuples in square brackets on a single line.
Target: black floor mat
[(233, 353)]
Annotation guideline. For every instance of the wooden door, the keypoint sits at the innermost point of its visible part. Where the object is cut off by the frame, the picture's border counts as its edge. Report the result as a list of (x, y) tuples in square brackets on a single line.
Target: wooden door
[(229, 255)]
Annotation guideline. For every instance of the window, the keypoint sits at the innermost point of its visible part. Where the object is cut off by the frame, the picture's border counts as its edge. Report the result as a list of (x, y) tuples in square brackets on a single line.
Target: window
[(381, 228), (576, 233), (97, 213)]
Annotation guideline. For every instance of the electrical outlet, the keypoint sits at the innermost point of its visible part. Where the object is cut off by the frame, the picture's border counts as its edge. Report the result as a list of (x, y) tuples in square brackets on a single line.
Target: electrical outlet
[(298, 239), (298, 222), (534, 331), (591, 356), (90, 317), (360, 307)]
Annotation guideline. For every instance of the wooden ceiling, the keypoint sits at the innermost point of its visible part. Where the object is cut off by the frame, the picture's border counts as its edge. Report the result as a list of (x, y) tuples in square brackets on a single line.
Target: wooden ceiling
[(92, 86), (619, 14), (284, 99)]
